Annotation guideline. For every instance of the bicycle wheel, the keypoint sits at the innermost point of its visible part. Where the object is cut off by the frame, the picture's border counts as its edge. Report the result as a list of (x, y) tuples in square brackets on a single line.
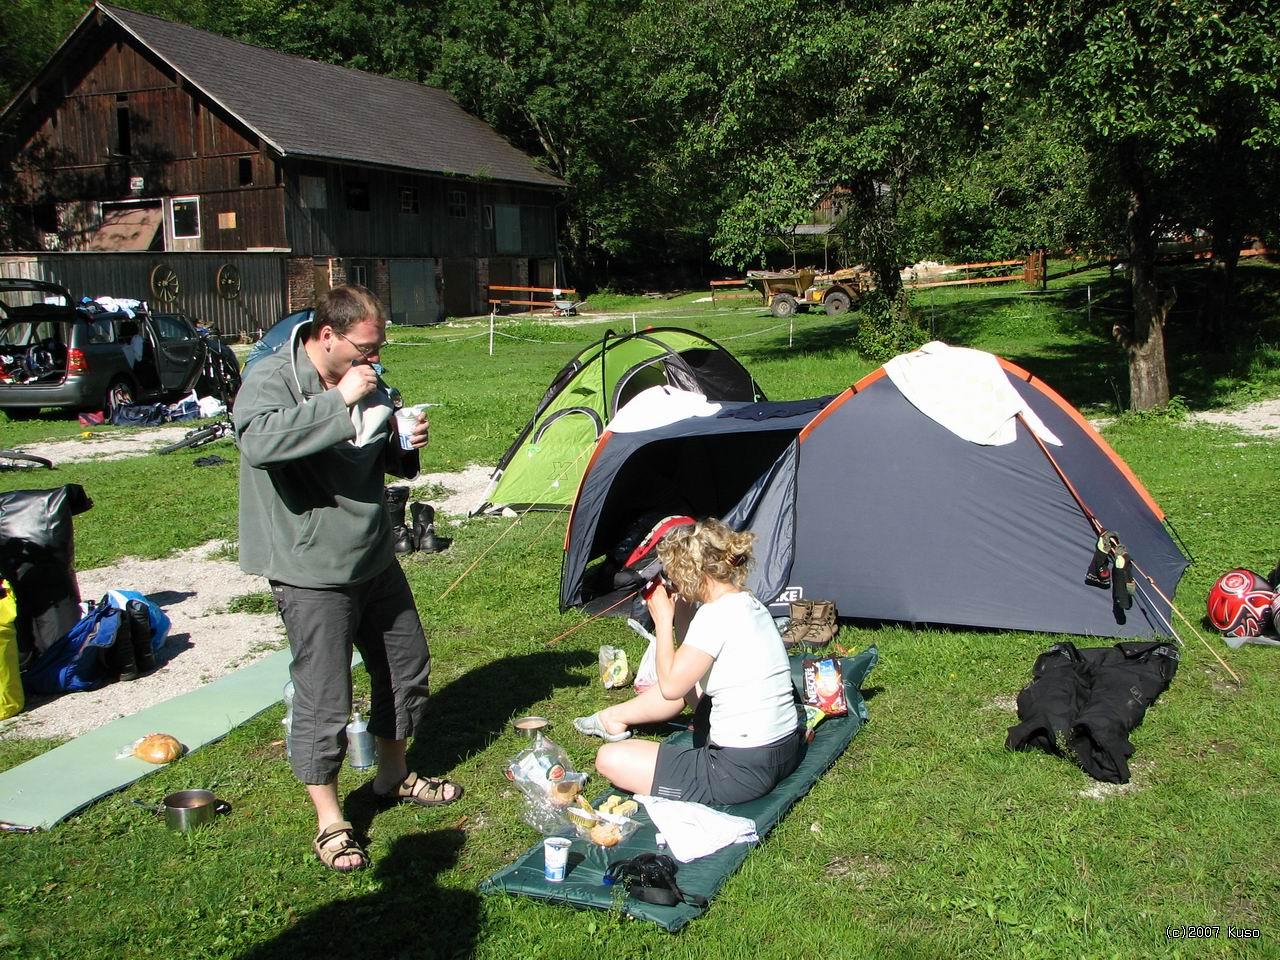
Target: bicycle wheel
[(17, 460), (196, 438)]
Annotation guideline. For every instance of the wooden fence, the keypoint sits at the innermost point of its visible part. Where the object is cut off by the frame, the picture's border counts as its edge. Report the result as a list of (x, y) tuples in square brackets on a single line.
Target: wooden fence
[(533, 301), (732, 289)]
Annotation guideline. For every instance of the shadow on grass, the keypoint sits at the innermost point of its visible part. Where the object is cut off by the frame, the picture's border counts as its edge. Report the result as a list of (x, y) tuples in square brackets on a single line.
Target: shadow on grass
[(410, 915), (464, 716)]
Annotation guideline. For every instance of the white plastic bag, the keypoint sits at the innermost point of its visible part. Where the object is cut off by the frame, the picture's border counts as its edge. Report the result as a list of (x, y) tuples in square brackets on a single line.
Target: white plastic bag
[(647, 671)]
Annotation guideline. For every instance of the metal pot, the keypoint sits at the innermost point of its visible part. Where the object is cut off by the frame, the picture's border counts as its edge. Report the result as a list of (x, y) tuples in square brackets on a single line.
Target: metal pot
[(529, 727), (188, 809)]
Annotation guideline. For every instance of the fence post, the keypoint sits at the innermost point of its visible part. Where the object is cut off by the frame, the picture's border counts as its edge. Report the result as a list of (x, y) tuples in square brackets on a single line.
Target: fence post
[(1088, 296), (492, 314), (633, 323), (791, 330)]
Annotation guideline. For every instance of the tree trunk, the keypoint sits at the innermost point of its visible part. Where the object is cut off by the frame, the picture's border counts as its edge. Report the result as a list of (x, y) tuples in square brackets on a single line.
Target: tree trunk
[(1144, 341)]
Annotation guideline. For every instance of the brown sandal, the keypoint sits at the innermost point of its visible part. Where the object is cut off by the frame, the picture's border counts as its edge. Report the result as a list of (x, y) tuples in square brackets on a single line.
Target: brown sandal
[(424, 791), (347, 846)]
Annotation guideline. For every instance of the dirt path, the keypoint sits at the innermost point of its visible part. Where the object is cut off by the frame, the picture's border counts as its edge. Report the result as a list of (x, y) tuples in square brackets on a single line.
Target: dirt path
[(206, 641), (1260, 419)]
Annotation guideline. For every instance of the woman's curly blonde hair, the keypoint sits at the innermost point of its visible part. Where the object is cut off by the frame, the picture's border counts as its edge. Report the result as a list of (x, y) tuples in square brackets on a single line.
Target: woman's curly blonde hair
[(708, 547)]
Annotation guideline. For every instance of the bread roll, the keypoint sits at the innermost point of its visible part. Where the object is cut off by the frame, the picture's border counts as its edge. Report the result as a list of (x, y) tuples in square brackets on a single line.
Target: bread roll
[(158, 748), (606, 835)]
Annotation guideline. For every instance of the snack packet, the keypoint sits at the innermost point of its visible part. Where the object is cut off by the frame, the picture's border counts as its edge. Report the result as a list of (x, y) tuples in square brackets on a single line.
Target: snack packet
[(614, 671), (824, 686)]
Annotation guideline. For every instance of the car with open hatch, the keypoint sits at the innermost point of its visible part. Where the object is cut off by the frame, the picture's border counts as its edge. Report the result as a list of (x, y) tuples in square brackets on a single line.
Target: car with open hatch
[(56, 353)]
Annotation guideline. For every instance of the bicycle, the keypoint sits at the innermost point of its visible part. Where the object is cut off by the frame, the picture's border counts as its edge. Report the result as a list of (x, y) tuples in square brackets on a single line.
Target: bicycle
[(18, 460), (226, 384)]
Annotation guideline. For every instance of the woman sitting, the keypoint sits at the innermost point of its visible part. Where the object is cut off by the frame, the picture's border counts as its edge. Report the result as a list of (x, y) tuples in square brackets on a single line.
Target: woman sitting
[(730, 666)]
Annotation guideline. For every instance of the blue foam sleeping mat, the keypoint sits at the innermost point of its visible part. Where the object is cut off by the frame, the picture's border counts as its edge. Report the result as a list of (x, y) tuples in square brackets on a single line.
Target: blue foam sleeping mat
[(583, 884)]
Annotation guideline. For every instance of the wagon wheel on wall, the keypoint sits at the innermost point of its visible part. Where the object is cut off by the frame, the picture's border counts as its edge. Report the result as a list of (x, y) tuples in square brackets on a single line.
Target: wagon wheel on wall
[(164, 283), (228, 283)]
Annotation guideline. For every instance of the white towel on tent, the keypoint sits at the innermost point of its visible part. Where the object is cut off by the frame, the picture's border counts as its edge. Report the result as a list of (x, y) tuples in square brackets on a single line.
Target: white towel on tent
[(965, 391), (693, 830), (659, 406)]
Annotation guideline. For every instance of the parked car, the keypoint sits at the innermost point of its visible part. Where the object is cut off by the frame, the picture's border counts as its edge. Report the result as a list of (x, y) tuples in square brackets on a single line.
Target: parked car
[(56, 354)]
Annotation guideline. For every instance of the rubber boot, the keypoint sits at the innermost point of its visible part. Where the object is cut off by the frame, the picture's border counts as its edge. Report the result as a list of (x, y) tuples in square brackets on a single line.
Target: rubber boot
[(822, 625), (144, 651), (801, 614), (401, 536), (424, 527), (119, 659)]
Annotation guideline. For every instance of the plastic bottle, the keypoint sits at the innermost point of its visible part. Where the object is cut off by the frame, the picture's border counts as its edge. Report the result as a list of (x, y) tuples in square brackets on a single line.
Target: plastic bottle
[(287, 722), (360, 749)]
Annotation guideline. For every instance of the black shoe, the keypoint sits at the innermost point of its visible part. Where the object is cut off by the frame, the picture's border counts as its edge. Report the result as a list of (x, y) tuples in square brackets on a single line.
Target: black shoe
[(401, 536), (119, 658), (424, 528), (144, 651)]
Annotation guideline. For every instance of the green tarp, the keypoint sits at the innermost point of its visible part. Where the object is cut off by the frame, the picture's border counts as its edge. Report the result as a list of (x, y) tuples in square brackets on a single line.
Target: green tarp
[(583, 886)]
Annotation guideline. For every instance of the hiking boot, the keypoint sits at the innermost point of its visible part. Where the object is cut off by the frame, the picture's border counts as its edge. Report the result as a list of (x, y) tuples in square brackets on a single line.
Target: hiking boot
[(401, 535), (119, 659), (801, 613), (822, 625), (424, 528), (144, 651)]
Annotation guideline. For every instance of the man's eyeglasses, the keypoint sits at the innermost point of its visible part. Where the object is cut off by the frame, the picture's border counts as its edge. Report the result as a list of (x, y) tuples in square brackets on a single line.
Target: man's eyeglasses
[(365, 352)]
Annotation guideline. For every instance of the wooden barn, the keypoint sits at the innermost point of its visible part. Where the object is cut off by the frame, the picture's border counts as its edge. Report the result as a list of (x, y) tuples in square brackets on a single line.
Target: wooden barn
[(154, 160)]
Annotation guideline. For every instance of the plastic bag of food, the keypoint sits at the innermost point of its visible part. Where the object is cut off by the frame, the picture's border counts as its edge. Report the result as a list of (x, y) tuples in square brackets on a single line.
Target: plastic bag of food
[(548, 784), (614, 671), (647, 671)]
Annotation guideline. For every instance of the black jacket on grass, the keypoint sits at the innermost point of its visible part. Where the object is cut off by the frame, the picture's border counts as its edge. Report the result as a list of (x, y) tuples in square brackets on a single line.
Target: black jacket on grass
[(1083, 703)]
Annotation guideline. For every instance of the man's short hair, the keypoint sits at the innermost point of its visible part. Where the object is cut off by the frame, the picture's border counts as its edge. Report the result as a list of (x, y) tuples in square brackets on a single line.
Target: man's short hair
[(343, 307)]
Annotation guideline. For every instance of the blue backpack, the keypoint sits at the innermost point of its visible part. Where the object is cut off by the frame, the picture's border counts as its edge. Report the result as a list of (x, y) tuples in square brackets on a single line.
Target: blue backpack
[(75, 661)]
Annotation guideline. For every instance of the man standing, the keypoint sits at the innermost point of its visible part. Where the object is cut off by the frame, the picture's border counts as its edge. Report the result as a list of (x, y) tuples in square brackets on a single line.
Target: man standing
[(316, 431)]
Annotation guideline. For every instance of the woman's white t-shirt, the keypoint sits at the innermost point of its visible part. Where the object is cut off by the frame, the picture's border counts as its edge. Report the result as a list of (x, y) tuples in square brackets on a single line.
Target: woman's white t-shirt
[(750, 681)]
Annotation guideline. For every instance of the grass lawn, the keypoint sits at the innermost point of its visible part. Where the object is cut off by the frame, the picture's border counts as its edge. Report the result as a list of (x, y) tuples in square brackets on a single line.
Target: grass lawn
[(927, 838)]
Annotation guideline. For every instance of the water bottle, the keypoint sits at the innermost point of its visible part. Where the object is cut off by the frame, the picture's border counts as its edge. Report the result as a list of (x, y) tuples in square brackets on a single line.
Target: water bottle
[(360, 749), (287, 722)]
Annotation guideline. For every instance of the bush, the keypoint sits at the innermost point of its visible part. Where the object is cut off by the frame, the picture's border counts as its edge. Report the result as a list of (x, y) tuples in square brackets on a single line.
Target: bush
[(886, 327)]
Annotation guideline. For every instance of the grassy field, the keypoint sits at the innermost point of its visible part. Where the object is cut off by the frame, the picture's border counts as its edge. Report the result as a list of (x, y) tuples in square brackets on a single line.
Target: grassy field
[(927, 838)]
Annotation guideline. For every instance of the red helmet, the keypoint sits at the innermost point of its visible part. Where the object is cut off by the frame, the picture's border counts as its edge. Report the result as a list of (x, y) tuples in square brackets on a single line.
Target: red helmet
[(1241, 603)]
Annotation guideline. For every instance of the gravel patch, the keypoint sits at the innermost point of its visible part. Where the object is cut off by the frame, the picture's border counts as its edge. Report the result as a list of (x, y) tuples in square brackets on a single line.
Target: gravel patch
[(194, 587), (205, 642), (1260, 419), (116, 445)]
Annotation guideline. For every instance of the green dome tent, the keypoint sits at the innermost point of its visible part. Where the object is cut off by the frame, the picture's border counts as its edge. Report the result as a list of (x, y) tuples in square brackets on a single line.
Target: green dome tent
[(542, 468)]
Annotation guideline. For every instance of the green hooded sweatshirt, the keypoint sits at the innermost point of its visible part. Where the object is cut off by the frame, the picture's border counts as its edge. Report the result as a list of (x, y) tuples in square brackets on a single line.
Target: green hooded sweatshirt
[(311, 475)]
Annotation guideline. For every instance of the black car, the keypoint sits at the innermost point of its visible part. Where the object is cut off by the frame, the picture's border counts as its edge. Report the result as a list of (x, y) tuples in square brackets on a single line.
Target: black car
[(54, 353)]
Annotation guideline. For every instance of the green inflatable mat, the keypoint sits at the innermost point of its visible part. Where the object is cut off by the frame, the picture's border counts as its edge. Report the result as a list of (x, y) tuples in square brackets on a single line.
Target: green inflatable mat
[(51, 787), (583, 884)]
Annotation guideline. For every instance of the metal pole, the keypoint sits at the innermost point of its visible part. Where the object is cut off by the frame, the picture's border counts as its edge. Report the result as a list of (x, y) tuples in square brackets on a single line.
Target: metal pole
[(492, 314), (791, 330), (633, 323), (1088, 295)]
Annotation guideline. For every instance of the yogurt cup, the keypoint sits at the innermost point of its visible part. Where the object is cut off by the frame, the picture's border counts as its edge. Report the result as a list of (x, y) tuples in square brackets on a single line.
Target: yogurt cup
[(406, 420), (555, 856)]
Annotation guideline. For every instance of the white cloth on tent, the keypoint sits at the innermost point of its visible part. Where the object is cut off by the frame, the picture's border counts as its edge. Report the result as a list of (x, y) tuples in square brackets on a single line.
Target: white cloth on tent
[(966, 391), (658, 407), (693, 830)]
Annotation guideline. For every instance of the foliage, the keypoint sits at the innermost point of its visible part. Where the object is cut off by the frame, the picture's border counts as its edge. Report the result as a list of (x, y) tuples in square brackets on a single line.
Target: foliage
[(886, 327), (926, 839)]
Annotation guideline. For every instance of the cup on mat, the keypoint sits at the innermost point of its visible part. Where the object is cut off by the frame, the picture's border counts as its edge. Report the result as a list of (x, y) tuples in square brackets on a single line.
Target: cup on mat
[(555, 855), (406, 420)]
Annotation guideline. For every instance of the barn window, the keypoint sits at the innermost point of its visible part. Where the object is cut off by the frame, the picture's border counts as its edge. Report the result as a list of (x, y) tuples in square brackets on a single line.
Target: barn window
[(358, 273), (458, 204), (488, 216), (409, 200), (124, 137), (507, 224), (357, 194), (314, 192), (246, 171), (186, 218)]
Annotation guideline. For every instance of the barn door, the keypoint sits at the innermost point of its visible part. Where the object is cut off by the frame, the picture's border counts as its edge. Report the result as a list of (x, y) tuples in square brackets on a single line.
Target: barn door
[(413, 292)]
